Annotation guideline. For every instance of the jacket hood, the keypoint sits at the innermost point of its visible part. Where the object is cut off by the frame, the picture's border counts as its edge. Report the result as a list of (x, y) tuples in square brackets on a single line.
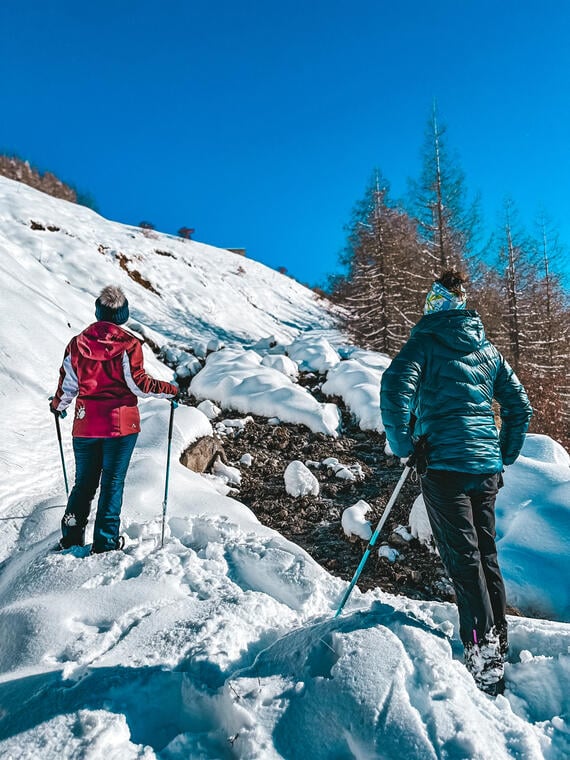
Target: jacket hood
[(103, 340), (459, 330)]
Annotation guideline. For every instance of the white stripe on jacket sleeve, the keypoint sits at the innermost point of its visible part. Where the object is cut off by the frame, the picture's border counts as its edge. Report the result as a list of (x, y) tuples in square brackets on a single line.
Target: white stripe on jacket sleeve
[(133, 387), (69, 386)]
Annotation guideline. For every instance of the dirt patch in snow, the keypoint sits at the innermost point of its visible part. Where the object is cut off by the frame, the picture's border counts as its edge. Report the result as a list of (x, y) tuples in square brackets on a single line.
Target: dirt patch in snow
[(314, 522)]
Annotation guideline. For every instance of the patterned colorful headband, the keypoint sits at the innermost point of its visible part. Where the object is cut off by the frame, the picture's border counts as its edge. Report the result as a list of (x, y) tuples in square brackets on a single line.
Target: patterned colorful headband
[(441, 299)]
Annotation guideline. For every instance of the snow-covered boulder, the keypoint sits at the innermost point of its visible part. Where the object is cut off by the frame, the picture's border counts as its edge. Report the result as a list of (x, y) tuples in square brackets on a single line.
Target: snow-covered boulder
[(351, 472), (188, 367), (388, 552), (300, 481), (420, 527), (354, 523), (403, 533), (281, 363), (208, 408), (171, 355), (231, 475), (265, 345), (373, 359), (314, 354), (237, 424), (184, 364), (214, 345)]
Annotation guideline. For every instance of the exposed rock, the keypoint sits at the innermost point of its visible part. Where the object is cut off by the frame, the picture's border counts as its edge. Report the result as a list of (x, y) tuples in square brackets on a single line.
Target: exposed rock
[(15, 168), (201, 455)]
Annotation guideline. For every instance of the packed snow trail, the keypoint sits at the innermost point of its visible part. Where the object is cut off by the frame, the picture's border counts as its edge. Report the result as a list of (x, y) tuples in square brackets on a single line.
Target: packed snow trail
[(208, 649)]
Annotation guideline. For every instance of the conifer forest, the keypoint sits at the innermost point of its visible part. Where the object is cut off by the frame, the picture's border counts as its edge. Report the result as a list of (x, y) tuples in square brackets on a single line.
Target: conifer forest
[(395, 248)]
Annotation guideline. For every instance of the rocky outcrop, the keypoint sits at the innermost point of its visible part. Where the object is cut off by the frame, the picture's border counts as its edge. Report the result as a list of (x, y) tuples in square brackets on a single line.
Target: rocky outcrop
[(21, 171), (201, 455)]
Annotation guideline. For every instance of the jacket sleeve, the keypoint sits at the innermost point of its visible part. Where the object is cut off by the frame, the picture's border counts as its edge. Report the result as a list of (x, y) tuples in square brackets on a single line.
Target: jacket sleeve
[(397, 395), (68, 386), (516, 412), (138, 381)]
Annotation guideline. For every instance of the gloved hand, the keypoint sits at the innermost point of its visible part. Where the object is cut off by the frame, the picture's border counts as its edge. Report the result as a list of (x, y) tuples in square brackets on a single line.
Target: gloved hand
[(419, 458), (175, 400), (411, 460), (56, 412)]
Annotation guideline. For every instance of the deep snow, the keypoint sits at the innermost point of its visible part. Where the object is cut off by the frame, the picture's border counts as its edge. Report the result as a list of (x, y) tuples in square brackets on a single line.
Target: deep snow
[(223, 644)]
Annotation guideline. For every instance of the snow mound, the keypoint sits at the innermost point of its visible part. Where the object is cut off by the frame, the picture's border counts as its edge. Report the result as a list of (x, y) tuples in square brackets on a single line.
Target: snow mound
[(352, 472), (300, 481), (314, 354), (533, 529), (212, 644), (88, 734), (419, 522), (357, 382), (230, 475), (237, 380), (354, 523), (282, 364), (394, 681), (208, 408)]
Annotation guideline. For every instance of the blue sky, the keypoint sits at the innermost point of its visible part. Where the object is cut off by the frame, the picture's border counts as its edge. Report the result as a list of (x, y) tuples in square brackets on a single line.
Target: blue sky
[(260, 122)]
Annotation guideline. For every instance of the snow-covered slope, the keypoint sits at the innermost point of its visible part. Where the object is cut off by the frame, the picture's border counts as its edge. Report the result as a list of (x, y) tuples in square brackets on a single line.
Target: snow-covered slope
[(222, 644), (49, 279), (194, 292)]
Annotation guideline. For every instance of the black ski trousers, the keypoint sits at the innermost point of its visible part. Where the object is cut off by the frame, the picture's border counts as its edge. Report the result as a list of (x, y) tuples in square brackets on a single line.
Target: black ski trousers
[(461, 511)]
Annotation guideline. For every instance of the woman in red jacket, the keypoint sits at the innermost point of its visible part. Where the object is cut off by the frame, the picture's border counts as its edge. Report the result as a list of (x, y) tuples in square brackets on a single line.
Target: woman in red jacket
[(103, 370)]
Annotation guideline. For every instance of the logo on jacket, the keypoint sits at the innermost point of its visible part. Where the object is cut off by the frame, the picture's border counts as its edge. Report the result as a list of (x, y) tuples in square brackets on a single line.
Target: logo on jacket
[(80, 413)]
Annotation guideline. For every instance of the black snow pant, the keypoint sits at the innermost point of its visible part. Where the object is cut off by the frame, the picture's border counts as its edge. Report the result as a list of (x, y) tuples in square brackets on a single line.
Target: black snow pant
[(461, 510)]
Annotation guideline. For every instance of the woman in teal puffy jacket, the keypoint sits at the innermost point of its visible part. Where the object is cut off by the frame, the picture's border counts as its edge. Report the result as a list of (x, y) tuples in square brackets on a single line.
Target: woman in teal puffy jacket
[(444, 380)]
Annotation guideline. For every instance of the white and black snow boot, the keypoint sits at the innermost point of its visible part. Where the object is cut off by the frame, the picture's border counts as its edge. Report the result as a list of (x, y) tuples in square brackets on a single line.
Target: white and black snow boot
[(485, 663), (502, 633)]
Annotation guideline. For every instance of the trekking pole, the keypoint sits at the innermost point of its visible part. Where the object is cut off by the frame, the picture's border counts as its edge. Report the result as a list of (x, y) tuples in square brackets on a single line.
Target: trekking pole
[(389, 505), (173, 405), (58, 429)]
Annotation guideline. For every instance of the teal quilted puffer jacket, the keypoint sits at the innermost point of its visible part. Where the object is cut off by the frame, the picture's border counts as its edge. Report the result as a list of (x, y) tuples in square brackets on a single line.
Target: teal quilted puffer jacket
[(447, 376)]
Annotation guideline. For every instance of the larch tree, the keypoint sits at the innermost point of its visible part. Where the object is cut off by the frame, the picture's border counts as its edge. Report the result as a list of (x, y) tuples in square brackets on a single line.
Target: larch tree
[(526, 313), (547, 367), (447, 220), (385, 282), (549, 332), (513, 251)]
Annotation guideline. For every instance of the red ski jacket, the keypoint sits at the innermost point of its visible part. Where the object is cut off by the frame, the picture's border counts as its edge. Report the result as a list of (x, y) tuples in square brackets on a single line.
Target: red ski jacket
[(103, 368)]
